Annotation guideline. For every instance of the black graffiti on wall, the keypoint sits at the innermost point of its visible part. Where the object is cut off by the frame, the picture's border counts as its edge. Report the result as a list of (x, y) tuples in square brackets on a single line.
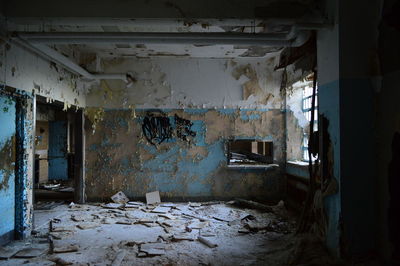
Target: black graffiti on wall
[(184, 128), (156, 127)]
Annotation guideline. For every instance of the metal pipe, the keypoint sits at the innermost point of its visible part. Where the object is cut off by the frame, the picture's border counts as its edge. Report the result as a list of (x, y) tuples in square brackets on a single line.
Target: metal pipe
[(132, 22), (267, 39)]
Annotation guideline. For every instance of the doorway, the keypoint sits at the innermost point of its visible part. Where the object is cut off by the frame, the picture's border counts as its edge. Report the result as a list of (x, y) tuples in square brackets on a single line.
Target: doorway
[(57, 155)]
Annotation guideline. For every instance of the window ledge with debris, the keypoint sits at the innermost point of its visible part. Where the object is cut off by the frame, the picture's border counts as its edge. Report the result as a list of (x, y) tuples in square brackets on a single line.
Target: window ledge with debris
[(253, 166), (250, 154)]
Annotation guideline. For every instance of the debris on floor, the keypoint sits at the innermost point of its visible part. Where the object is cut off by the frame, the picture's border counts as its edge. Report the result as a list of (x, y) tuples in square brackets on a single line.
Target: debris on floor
[(214, 233), (153, 197), (120, 197)]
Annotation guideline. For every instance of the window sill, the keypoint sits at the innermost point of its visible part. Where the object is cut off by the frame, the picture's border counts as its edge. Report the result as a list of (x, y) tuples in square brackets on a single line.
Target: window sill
[(253, 166), (298, 169)]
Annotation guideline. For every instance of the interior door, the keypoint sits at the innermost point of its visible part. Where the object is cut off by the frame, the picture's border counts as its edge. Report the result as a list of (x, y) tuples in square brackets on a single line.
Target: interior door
[(58, 162), (7, 168)]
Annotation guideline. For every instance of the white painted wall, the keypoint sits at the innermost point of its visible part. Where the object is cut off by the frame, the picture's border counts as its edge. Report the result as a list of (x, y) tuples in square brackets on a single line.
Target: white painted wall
[(188, 83), (23, 70)]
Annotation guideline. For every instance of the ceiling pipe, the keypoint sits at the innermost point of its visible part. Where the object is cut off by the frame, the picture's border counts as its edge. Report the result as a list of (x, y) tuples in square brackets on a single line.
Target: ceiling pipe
[(37, 42), (139, 22), (266, 39)]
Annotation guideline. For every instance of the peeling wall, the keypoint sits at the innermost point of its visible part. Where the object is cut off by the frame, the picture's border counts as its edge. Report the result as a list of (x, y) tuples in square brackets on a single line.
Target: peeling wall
[(296, 122), (25, 71), (190, 83), (118, 156)]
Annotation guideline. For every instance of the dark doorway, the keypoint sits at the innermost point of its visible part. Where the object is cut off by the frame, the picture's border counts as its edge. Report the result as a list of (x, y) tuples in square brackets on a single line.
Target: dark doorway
[(56, 150)]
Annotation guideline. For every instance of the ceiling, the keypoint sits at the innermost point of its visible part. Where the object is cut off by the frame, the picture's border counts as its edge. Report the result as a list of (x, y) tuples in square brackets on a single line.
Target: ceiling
[(225, 16)]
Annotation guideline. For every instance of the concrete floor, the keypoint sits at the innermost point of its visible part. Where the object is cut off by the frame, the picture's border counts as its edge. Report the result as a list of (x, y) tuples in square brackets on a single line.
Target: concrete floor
[(99, 235)]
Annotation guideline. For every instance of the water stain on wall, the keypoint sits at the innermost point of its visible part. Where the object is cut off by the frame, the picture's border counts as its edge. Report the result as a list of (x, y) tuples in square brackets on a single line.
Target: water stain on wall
[(7, 162)]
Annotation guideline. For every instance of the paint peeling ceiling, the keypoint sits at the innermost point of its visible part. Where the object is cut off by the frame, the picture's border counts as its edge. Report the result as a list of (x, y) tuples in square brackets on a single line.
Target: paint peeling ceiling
[(172, 16), (126, 50)]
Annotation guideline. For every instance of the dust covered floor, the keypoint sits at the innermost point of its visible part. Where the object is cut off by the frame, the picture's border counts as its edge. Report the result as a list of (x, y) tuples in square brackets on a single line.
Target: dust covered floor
[(212, 233)]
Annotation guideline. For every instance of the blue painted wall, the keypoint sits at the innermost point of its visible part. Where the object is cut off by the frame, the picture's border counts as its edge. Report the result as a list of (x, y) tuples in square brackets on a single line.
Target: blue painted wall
[(7, 165), (329, 107), (120, 158)]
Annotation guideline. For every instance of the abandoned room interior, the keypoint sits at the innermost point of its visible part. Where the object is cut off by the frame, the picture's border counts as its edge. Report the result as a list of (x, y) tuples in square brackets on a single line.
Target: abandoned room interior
[(180, 132)]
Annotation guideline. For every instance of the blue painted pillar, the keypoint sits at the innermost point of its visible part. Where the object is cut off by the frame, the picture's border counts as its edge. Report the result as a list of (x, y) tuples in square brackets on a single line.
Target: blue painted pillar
[(347, 102)]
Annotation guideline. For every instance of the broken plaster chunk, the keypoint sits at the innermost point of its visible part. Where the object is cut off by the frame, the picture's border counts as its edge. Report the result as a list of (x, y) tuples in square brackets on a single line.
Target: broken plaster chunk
[(112, 205), (153, 197), (183, 236), (198, 225), (153, 249), (119, 257), (27, 253), (84, 226), (120, 197), (64, 246), (60, 235), (107, 221), (144, 221), (141, 254), (136, 203), (159, 209), (78, 218), (207, 242), (125, 221), (167, 216), (6, 253), (60, 228)]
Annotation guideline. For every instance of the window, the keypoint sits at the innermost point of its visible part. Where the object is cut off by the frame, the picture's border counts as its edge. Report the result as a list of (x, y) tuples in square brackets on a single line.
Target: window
[(244, 152), (306, 107)]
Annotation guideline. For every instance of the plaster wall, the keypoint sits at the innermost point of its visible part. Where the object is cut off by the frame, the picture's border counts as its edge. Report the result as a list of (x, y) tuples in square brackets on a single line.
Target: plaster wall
[(224, 99), (25, 71), (190, 82), (118, 156)]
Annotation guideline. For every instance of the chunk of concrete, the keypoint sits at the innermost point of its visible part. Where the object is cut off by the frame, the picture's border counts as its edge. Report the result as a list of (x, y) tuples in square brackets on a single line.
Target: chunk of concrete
[(27, 253), (159, 209), (153, 197), (119, 257), (61, 228), (112, 205), (84, 226), (6, 253), (183, 236), (153, 249), (120, 197), (207, 242), (136, 203), (167, 216), (64, 246)]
